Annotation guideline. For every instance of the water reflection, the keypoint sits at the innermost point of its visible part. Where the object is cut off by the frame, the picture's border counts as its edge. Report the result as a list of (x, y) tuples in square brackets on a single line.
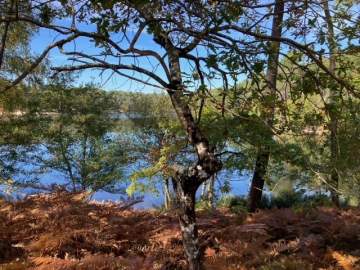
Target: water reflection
[(79, 139)]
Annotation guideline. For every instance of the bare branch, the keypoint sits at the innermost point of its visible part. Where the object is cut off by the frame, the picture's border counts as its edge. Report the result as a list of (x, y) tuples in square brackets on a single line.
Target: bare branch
[(137, 35), (114, 67), (4, 37), (39, 60)]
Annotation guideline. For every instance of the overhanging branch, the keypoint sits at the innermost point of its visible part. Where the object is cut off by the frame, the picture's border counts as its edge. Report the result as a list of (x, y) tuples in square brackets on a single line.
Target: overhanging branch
[(115, 67), (37, 62)]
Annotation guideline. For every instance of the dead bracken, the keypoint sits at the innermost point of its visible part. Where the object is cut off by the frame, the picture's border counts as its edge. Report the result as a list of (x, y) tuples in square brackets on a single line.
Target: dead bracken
[(65, 231)]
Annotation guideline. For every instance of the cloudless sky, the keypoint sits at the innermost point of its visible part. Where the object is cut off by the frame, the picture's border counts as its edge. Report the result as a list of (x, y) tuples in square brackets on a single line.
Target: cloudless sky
[(106, 80)]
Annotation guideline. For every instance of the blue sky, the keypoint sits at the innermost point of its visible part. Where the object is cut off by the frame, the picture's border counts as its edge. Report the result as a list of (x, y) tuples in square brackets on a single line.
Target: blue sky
[(105, 79)]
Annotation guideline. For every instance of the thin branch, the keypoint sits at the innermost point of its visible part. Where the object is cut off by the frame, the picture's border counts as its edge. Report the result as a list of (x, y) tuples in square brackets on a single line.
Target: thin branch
[(308, 51), (112, 67), (4, 37), (37, 62), (137, 35)]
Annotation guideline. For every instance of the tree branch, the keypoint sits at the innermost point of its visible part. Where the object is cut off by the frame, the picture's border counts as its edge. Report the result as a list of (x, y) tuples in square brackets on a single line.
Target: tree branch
[(37, 62), (114, 67), (4, 37)]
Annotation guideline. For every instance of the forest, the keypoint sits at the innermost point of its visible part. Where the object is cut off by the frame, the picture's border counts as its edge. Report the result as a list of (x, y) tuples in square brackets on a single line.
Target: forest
[(179, 134)]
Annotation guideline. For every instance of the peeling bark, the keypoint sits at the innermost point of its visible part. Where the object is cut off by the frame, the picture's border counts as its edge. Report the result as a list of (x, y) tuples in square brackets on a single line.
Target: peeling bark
[(186, 180), (185, 198), (211, 191)]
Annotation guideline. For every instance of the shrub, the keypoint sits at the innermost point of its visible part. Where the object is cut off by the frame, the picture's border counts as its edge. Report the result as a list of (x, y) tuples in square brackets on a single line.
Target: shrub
[(287, 199), (202, 205), (317, 200), (236, 204), (294, 199)]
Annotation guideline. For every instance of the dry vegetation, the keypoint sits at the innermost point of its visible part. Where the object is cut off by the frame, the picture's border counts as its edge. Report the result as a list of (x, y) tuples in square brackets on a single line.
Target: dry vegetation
[(65, 231)]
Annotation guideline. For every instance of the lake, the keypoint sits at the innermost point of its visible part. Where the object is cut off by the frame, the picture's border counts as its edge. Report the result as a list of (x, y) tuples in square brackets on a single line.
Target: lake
[(238, 182), (70, 144)]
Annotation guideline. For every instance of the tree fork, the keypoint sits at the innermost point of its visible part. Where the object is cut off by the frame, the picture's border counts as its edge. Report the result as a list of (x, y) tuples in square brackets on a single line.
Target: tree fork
[(187, 180)]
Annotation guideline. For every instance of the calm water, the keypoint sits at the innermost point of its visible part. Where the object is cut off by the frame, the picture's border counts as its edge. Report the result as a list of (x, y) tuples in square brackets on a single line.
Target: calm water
[(28, 170), (239, 185)]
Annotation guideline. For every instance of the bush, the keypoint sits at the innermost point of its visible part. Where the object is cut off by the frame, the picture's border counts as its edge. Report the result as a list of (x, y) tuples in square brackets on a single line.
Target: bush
[(202, 205), (294, 199), (236, 204), (287, 199), (317, 200)]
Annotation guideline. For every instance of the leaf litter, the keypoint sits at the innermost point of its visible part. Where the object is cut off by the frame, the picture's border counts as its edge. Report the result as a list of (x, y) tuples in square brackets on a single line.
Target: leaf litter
[(66, 231)]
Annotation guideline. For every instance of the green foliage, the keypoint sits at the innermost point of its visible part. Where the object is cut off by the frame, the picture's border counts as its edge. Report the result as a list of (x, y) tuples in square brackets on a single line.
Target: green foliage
[(295, 199), (75, 122), (286, 199), (78, 137), (68, 130), (235, 204), (156, 137), (17, 55), (202, 205)]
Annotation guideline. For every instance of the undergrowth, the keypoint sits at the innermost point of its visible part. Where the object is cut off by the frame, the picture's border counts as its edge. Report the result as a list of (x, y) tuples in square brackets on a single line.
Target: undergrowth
[(64, 231), (296, 200)]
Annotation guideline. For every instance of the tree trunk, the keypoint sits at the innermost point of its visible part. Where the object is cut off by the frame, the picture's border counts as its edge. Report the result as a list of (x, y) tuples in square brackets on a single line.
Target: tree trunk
[(207, 194), (258, 181), (5, 35), (334, 190), (263, 155), (210, 192), (167, 195), (333, 126), (187, 179), (203, 190), (185, 198)]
